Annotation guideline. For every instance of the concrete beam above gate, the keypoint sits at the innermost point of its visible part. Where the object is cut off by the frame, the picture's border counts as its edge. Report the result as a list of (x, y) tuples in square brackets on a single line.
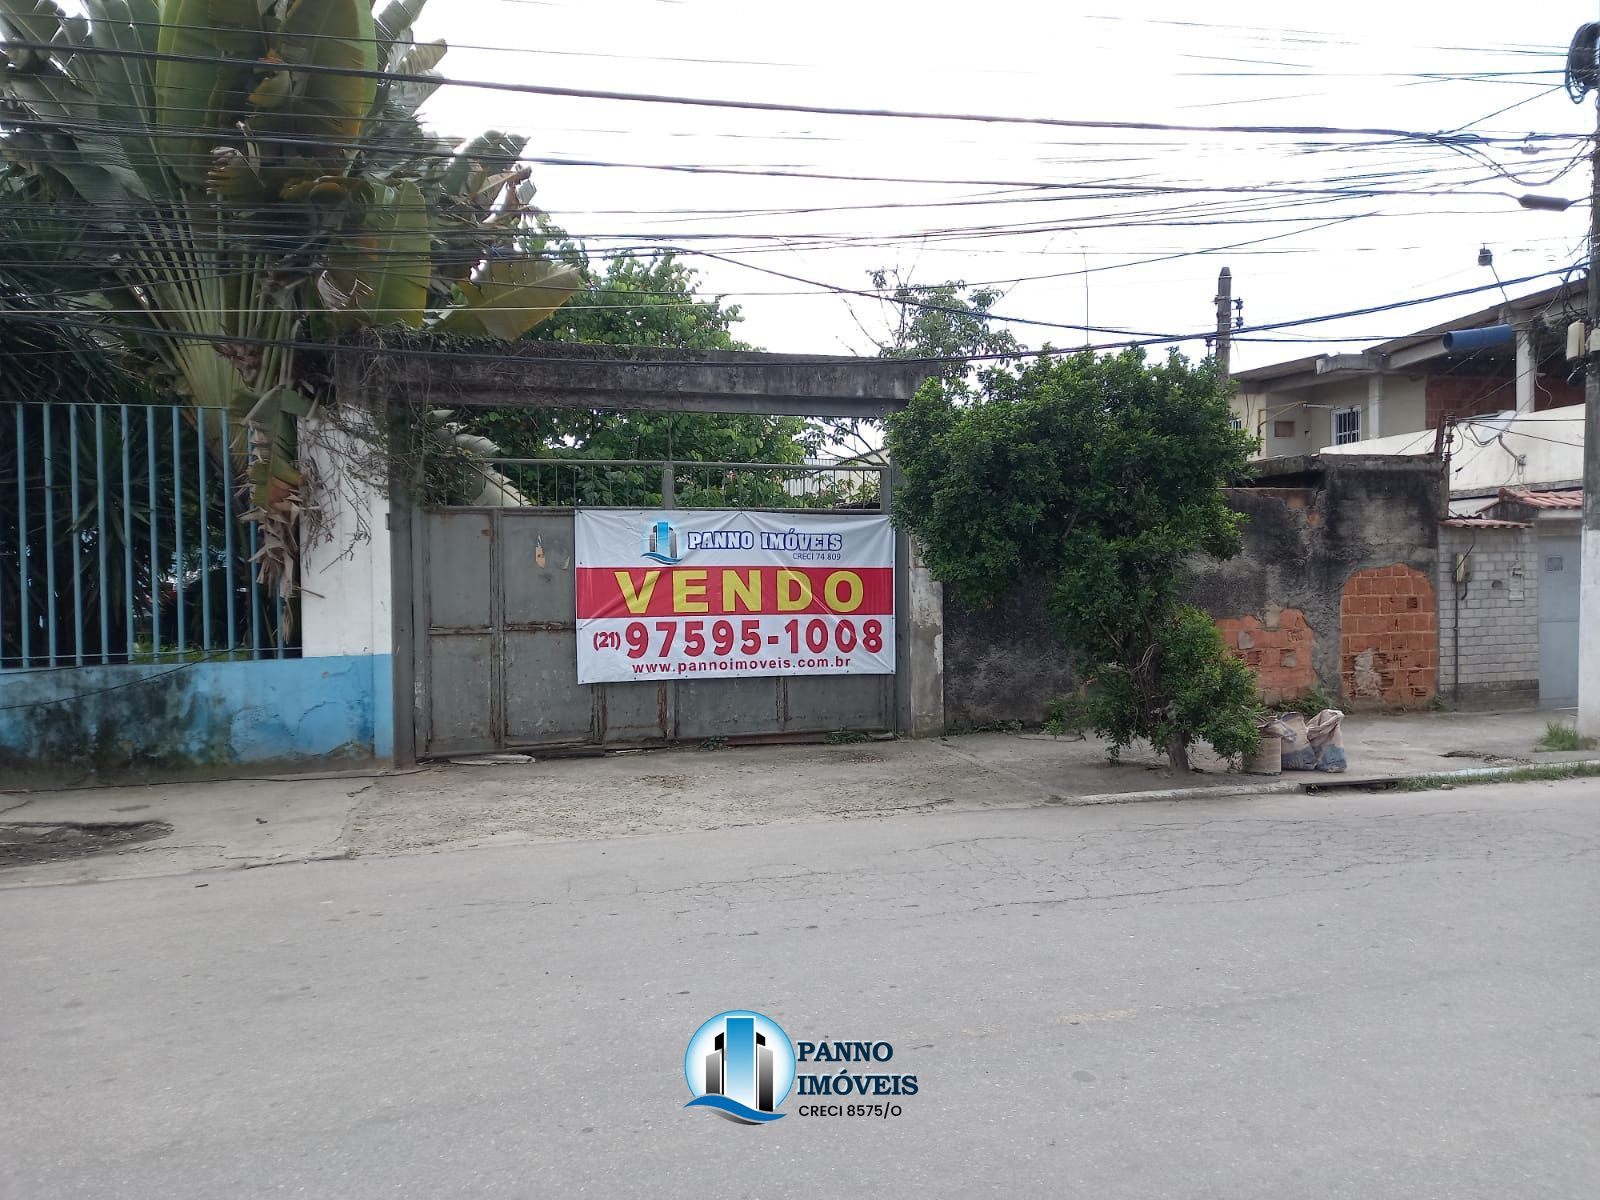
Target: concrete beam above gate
[(557, 375)]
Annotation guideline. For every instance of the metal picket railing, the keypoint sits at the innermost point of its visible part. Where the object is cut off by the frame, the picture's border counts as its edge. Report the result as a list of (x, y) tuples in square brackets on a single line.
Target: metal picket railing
[(121, 540), (654, 483)]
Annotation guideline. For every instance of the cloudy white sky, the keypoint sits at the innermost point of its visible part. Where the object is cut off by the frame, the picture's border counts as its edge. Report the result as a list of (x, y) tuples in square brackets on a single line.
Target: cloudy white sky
[(1423, 67)]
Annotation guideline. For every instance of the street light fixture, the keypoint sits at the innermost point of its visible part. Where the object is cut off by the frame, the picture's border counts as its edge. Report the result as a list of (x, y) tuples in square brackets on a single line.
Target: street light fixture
[(1545, 203)]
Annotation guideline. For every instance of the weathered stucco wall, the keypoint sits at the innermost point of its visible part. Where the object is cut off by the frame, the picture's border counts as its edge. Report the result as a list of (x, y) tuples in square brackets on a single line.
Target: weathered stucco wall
[(169, 721), (1005, 663), (1309, 529), (1281, 605)]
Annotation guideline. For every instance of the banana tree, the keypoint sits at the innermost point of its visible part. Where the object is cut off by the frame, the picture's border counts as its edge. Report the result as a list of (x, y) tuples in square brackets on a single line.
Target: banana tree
[(217, 206)]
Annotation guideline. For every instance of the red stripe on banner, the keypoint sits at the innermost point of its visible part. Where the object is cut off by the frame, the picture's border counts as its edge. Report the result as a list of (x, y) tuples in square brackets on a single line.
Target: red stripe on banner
[(730, 591)]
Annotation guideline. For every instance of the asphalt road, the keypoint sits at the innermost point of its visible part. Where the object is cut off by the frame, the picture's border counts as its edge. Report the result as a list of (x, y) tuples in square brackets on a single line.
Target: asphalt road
[(1348, 996)]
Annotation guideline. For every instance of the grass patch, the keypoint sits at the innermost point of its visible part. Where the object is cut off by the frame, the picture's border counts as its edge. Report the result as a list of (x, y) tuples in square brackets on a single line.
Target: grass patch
[(844, 737), (1543, 773), (1065, 715), (1562, 737), (714, 743)]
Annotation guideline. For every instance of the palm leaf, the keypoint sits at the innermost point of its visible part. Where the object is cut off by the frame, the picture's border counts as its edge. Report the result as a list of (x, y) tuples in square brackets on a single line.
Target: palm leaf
[(509, 297), (193, 100), (330, 33)]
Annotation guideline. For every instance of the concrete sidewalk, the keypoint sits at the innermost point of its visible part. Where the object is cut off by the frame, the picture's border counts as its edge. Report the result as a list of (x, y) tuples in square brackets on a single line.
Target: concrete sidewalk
[(232, 824)]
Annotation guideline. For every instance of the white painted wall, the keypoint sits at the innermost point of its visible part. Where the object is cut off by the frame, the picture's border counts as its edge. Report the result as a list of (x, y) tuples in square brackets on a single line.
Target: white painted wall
[(1536, 448), (345, 603)]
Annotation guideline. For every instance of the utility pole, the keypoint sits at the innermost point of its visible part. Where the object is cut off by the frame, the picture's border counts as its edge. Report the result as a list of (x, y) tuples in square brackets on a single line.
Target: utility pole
[(1583, 73), (1224, 319)]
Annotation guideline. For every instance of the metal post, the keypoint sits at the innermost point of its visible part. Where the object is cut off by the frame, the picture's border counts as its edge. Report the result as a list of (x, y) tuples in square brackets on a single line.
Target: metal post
[(127, 544), (227, 525), (205, 530), (1224, 319), (177, 529), (24, 646), (49, 535), (100, 530), (155, 534), (1589, 587), (404, 528), (75, 541), (669, 485)]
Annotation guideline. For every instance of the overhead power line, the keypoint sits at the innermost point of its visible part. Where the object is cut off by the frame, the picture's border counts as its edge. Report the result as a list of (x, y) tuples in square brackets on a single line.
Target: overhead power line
[(539, 89), (464, 355)]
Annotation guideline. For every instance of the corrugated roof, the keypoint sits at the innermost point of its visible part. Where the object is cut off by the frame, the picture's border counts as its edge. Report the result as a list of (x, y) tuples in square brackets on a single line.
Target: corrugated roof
[(1565, 498), (1483, 523)]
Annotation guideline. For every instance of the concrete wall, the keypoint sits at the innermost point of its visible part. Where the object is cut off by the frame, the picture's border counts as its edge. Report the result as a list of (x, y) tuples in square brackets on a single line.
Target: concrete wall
[(1493, 661), (169, 721), (1260, 411), (1005, 663), (346, 598), (1282, 605), (1403, 407), (1307, 534), (1535, 448), (922, 710)]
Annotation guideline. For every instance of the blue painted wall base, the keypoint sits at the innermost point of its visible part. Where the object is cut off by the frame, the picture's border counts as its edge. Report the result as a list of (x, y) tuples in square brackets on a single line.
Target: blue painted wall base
[(111, 724)]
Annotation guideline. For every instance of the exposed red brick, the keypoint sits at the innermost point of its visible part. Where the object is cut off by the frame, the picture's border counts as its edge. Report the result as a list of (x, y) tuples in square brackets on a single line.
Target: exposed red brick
[(1279, 650), (1388, 637)]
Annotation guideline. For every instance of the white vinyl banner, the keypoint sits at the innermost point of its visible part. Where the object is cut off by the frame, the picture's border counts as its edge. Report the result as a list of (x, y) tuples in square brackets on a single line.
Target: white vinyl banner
[(729, 594)]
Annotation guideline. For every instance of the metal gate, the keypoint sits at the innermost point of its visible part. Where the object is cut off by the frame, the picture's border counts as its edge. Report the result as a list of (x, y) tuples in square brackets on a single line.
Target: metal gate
[(494, 606), (1558, 621)]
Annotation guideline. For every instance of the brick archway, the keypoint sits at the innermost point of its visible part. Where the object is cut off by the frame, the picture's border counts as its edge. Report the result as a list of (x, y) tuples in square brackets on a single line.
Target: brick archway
[(1389, 637)]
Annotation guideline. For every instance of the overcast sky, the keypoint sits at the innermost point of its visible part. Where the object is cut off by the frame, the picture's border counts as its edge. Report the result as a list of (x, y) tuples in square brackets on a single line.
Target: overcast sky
[(1424, 67)]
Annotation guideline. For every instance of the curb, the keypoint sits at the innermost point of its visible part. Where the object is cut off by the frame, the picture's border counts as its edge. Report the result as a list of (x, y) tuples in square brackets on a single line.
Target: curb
[(1320, 781), (1218, 791)]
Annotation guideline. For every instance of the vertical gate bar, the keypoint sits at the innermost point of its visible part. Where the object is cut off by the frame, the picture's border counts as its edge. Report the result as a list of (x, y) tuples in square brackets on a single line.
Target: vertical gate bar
[(155, 534), (74, 541), (177, 528), (255, 599), (127, 544), (669, 485), (227, 523), (25, 643), (100, 529), (205, 531), (277, 602), (49, 536), (22, 551)]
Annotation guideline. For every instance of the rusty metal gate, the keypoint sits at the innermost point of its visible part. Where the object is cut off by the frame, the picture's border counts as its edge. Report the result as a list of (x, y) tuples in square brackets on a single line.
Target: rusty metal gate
[(494, 615)]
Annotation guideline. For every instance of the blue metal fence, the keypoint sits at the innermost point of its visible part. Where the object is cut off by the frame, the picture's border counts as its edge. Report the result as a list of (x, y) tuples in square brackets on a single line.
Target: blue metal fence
[(121, 540)]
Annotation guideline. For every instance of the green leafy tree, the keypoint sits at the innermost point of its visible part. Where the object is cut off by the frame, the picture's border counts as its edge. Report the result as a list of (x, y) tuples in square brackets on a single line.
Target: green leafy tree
[(947, 320), (1102, 476), (942, 320)]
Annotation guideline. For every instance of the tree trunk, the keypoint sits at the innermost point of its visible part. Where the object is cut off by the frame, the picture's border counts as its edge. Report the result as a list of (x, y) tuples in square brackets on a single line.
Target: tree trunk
[(1178, 754)]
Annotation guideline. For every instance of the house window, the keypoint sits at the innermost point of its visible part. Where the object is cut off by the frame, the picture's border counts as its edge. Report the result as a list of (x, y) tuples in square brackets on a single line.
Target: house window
[(1235, 421), (1283, 429), (1346, 426)]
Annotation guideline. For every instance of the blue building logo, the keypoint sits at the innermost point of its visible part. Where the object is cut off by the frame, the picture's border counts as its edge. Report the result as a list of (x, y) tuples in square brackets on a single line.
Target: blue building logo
[(660, 542), (740, 1065)]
